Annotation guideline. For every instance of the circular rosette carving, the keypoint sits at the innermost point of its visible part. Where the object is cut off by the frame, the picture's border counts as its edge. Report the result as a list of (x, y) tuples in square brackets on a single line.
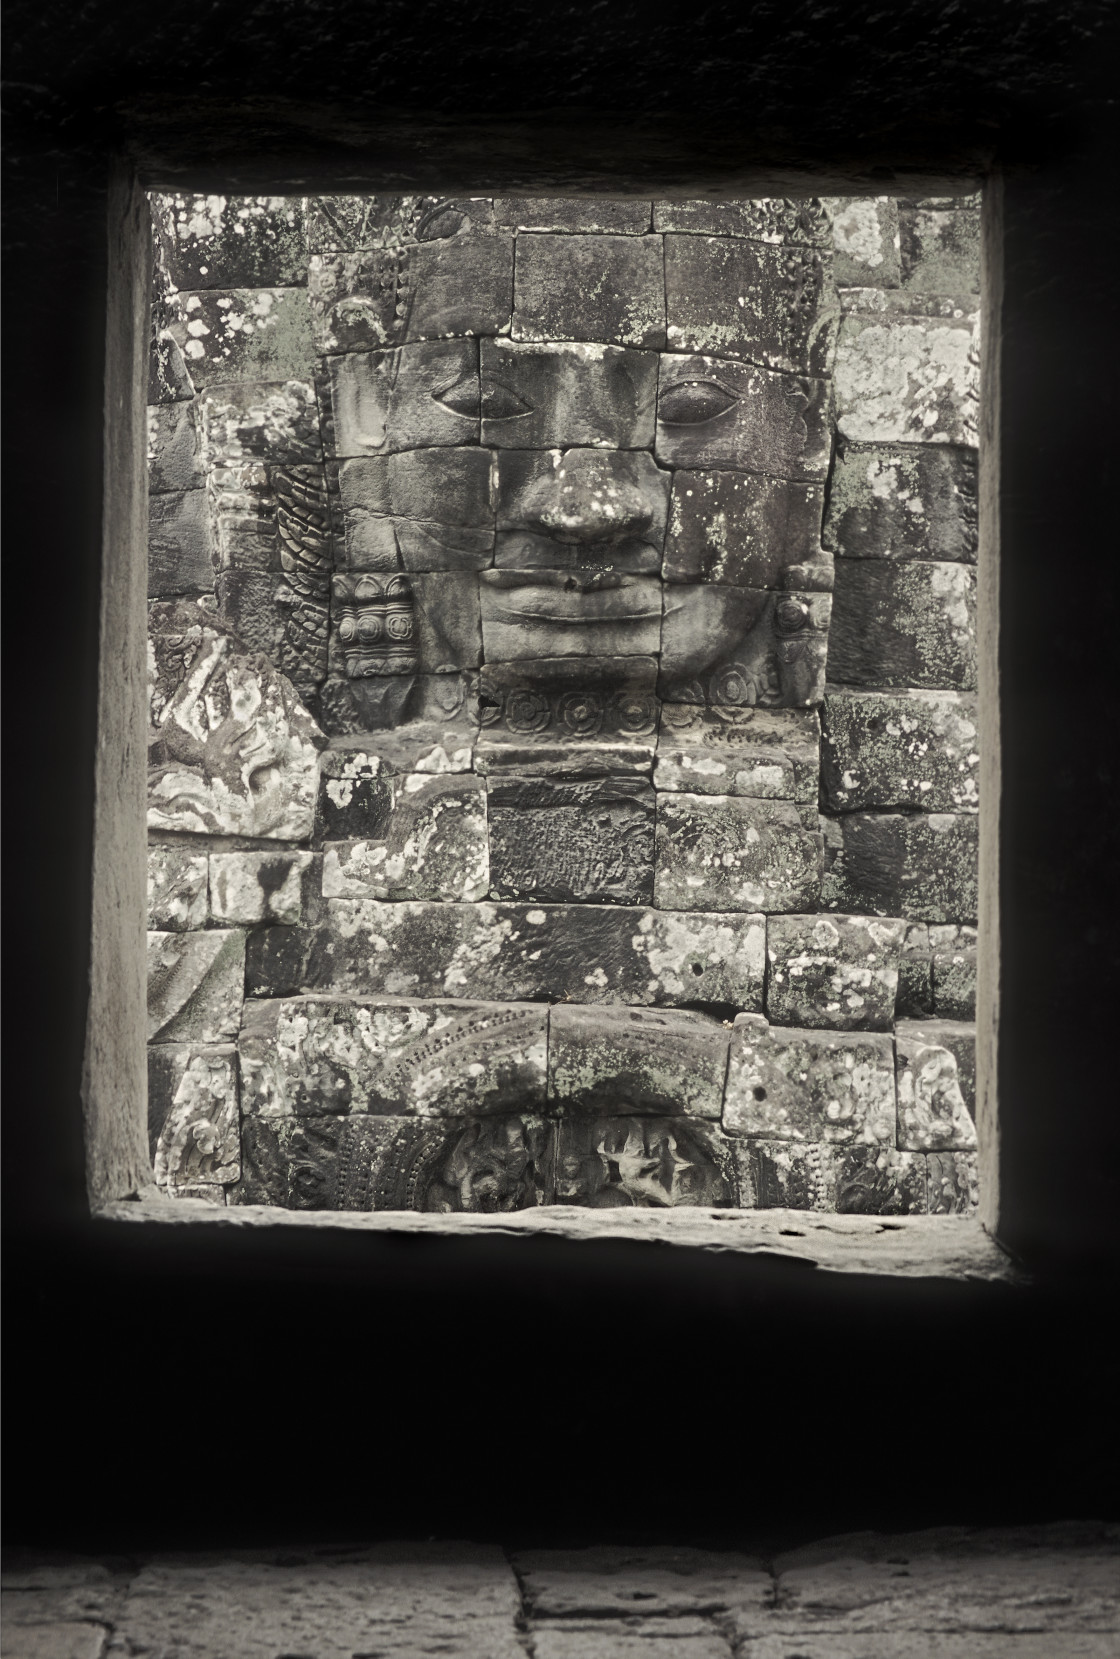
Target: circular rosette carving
[(581, 713), (527, 711), (790, 616), (737, 686), (635, 712)]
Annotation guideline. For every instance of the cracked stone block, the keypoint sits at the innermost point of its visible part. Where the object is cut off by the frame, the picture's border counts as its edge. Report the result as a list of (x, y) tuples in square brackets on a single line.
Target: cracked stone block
[(902, 501), (770, 754), (356, 794), (742, 648), (952, 1182), (180, 557), (563, 613), (625, 217), (922, 867), (802, 221), (425, 509), (712, 412), (587, 839), (565, 395), (431, 843), (244, 334), (732, 298), (580, 509), (729, 852), (429, 1059), (231, 241), (418, 396), (784, 1084), (486, 1165), (231, 749), (193, 1121), (907, 369), (177, 878), (258, 887), (953, 970), (582, 953), (269, 614), (196, 984), (744, 530), (616, 1060), (915, 977), (916, 749), (865, 240), (940, 250), (932, 1113), (174, 462), (839, 972), (631, 1162), (600, 287), (255, 420), (561, 716), (438, 290), (904, 624), (354, 223)]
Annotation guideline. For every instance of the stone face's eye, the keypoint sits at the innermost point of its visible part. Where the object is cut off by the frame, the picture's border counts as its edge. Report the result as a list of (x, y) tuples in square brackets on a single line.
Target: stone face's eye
[(461, 397), (500, 404), (690, 402)]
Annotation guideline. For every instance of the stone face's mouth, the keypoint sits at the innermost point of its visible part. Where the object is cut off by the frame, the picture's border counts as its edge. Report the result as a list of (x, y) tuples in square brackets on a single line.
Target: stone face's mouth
[(580, 601)]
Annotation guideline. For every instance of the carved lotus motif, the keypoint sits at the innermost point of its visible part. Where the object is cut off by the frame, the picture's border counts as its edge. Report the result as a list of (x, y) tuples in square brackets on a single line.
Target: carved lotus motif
[(527, 711), (635, 713), (581, 713)]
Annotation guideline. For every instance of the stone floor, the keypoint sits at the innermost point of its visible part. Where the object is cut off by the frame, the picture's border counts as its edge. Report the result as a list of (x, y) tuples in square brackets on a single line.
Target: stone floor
[(1048, 1592)]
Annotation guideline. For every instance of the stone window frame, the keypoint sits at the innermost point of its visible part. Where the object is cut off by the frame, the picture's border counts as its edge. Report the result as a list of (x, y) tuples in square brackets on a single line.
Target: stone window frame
[(119, 1178)]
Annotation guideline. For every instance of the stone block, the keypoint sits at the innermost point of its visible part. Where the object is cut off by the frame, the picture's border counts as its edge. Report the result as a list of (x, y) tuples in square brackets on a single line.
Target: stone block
[(491, 1165), (580, 510), (602, 287), (932, 1113), (254, 420), (728, 852), (424, 509), (276, 960), (557, 716), (732, 298), (880, 1181), (411, 397), (739, 647), (712, 412), (168, 380), (439, 290), (628, 216), (193, 1123), (196, 984), (744, 530), (579, 953), (915, 978), (952, 1183), (448, 624), (923, 867), (565, 395), (419, 722), (232, 750), (318, 1055), (907, 369), (604, 1582), (770, 754), (257, 887), (431, 843), (177, 888), (915, 749), (354, 223), (244, 334), (359, 787), (174, 462), (845, 1180), (902, 501), (801, 221), (635, 1638), (565, 613), (953, 971), (51, 1638), (231, 241), (838, 972), (667, 1061), (905, 624), (272, 616), (180, 557), (609, 1163), (864, 240), (784, 1084), (940, 250), (587, 839)]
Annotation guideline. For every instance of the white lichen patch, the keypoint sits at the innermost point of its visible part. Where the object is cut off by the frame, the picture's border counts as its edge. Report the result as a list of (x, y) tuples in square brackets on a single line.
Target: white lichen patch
[(913, 378)]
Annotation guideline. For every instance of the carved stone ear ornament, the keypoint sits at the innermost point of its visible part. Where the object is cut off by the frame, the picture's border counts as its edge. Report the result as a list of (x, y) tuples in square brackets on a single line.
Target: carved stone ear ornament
[(376, 624)]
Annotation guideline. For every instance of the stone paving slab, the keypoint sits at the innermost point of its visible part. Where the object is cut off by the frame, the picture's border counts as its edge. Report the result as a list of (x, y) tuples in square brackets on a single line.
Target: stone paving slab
[(606, 1580), (629, 1639)]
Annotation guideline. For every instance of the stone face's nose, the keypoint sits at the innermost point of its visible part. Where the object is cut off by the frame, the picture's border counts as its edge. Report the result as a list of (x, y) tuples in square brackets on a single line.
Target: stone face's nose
[(591, 497)]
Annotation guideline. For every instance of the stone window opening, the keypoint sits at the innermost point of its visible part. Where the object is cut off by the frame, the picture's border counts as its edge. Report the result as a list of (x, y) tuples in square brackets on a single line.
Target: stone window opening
[(743, 525)]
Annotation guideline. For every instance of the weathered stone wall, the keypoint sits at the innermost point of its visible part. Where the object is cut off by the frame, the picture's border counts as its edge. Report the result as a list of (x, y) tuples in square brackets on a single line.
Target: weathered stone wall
[(456, 906)]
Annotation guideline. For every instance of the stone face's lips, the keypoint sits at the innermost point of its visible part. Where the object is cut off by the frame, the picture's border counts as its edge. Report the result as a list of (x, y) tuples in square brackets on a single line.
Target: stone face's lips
[(600, 601)]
